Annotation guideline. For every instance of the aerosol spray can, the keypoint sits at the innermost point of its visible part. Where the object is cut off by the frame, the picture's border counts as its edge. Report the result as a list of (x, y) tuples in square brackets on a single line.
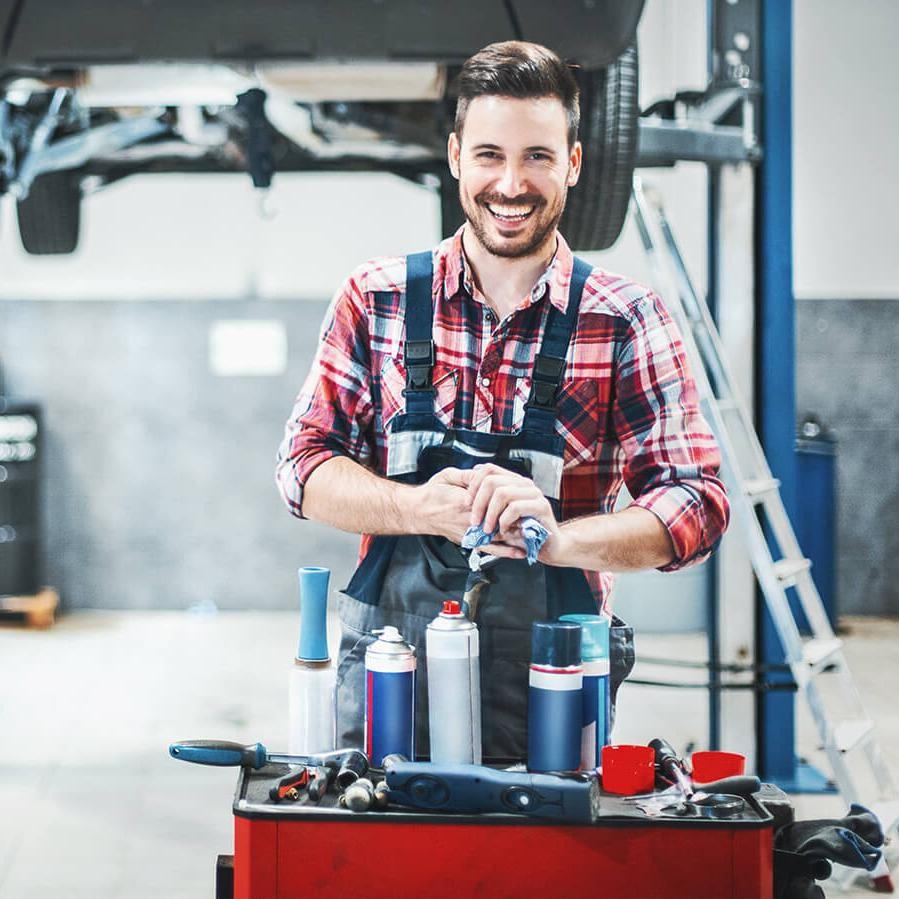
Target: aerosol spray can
[(555, 696), (454, 687), (312, 712), (596, 710), (389, 697)]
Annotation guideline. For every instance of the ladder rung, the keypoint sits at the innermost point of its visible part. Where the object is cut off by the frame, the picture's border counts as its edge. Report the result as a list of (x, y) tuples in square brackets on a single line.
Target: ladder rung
[(787, 570), (758, 488), (818, 654), (851, 734)]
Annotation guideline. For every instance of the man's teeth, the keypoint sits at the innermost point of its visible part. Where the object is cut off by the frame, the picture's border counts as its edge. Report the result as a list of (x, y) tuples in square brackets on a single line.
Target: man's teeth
[(511, 212)]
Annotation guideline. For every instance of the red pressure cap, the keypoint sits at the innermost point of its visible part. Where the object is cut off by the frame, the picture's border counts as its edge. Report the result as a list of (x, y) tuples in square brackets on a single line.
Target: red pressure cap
[(451, 607)]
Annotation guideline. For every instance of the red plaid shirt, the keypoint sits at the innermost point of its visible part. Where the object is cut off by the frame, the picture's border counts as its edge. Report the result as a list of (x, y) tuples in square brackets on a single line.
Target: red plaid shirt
[(627, 409)]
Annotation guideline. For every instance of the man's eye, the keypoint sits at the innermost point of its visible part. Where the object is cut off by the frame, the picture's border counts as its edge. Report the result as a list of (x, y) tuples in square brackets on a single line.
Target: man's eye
[(540, 156), (488, 154)]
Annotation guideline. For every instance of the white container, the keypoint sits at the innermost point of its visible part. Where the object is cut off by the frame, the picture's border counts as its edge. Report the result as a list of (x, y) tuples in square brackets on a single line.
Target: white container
[(312, 692), (454, 688), (313, 707)]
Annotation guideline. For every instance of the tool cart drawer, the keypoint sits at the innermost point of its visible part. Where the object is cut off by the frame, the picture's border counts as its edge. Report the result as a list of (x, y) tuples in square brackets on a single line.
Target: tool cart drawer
[(304, 850)]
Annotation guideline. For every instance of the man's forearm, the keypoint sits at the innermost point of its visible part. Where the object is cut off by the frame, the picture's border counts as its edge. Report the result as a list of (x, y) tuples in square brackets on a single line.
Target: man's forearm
[(346, 495), (629, 540)]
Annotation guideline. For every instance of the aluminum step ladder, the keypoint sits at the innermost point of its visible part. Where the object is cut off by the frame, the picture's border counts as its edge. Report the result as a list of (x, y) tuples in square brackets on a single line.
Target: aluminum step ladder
[(817, 662)]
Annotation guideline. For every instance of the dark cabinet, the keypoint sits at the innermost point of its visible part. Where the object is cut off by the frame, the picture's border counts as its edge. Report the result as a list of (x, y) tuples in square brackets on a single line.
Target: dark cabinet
[(20, 531)]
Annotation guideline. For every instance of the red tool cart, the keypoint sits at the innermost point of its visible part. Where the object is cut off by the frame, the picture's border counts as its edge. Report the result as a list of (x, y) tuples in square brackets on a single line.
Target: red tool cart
[(304, 850)]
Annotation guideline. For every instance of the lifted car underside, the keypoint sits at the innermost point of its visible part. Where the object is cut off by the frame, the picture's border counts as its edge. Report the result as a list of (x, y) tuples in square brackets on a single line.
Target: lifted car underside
[(92, 92)]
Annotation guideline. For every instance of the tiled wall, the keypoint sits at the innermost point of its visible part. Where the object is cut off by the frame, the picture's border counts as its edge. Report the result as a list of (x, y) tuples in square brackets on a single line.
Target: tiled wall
[(847, 374), (159, 475)]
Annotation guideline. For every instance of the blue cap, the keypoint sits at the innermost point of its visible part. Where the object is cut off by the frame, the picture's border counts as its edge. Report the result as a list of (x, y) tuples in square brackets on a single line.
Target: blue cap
[(595, 639), (313, 614), (556, 643)]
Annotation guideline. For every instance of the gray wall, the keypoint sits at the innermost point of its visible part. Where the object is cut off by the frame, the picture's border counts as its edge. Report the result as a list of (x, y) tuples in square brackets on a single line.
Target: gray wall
[(847, 372), (159, 475)]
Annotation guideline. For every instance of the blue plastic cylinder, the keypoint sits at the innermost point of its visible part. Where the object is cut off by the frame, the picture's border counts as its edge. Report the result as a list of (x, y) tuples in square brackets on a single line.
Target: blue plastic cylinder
[(313, 646), (596, 711), (555, 696)]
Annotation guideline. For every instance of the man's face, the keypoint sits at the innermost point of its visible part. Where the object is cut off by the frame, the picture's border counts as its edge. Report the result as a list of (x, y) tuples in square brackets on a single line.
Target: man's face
[(514, 168)]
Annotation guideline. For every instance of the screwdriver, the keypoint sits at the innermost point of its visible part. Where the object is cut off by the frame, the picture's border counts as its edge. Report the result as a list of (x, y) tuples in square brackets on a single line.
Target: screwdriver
[(671, 766), (227, 754)]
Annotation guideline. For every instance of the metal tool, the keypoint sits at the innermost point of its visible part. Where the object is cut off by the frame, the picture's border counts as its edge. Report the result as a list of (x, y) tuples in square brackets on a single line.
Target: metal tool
[(322, 778), (352, 766), (671, 766), (477, 584), (224, 753), (381, 798), (289, 787), (739, 785), (359, 795)]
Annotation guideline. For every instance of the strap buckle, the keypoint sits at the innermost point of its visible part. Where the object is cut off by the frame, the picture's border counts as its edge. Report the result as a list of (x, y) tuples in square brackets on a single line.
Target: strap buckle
[(547, 376), (420, 358)]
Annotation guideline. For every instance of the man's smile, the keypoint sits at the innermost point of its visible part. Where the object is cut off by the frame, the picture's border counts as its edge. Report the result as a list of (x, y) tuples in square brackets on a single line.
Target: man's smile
[(510, 214)]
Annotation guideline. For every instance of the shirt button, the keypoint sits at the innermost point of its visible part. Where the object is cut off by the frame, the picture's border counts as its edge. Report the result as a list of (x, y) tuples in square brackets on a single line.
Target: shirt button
[(488, 315), (485, 382)]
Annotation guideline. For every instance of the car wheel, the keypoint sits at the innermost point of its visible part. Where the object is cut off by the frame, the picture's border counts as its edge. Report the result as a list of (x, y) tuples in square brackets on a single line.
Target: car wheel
[(50, 216), (451, 215), (597, 205)]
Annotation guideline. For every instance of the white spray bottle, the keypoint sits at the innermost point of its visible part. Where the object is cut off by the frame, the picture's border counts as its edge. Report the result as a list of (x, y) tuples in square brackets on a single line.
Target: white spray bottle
[(312, 712)]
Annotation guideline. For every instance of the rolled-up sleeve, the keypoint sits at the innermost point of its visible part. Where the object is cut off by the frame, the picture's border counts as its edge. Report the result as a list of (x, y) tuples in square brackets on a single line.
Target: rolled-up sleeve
[(332, 415), (671, 458)]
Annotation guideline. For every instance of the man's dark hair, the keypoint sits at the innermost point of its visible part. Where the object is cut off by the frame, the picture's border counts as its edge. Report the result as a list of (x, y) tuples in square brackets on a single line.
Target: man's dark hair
[(517, 69)]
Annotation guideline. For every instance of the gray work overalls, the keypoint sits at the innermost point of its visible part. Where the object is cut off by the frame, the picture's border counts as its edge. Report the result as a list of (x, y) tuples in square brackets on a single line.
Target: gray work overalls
[(403, 580)]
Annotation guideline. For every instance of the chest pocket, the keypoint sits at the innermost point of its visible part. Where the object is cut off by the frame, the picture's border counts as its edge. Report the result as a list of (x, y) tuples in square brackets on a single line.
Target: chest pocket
[(393, 383), (578, 420)]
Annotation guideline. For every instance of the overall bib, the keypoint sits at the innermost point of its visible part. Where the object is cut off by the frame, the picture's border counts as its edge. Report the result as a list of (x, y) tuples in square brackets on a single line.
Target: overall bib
[(403, 580)]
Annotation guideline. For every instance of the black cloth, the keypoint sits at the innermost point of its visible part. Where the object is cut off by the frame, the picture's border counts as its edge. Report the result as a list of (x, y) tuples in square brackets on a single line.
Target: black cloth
[(804, 850)]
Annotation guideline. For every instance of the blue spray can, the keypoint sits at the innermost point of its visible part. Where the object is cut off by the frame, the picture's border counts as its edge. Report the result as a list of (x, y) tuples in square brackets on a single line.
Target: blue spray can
[(597, 708), (555, 696), (389, 697)]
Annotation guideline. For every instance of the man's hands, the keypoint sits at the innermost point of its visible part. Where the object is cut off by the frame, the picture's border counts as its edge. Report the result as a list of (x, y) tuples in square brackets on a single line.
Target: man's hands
[(500, 498), (453, 499), (442, 505), (346, 495)]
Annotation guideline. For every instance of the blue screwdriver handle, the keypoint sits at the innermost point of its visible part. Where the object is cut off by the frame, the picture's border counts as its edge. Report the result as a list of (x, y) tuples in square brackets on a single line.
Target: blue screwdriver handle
[(220, 752)]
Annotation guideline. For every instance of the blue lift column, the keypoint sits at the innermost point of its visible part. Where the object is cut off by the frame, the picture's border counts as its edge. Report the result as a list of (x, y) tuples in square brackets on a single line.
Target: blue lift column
[(776, 354), (776, 370), (776, 387)]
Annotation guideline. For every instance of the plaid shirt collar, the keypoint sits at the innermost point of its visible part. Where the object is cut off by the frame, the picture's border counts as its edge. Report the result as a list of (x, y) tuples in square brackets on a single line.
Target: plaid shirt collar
[(458, 284)]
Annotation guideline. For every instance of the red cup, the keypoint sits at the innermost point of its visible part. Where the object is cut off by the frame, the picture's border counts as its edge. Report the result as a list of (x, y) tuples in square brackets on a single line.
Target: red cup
[(713, 765), (628, 770)]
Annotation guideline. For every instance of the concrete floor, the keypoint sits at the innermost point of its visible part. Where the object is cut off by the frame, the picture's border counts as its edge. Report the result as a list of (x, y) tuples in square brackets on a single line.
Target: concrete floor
[(94, 808)]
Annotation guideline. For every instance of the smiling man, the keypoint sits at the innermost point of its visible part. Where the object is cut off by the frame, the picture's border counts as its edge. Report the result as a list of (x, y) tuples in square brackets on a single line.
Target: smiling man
[(493, 378)]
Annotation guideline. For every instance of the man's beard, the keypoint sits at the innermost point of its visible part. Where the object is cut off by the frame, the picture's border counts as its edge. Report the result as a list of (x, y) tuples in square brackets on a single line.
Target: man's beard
[(544, 224)]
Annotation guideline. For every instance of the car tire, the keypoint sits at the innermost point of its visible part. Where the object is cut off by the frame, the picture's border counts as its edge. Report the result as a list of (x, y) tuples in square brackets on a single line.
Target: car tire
[(451, 215), (50, 216), (597, 205)]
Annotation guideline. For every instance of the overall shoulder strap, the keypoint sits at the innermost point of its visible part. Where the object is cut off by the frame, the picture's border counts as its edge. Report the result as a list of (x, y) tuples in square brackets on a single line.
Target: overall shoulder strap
[(549, 364), (419, 351)]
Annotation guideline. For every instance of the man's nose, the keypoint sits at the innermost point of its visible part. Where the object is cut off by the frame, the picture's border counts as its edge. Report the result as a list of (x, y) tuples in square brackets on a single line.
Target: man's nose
[(512, 181)]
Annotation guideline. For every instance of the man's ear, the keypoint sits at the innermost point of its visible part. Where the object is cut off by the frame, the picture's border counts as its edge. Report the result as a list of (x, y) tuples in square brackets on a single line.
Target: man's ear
[(574, 163), (453, 150)]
